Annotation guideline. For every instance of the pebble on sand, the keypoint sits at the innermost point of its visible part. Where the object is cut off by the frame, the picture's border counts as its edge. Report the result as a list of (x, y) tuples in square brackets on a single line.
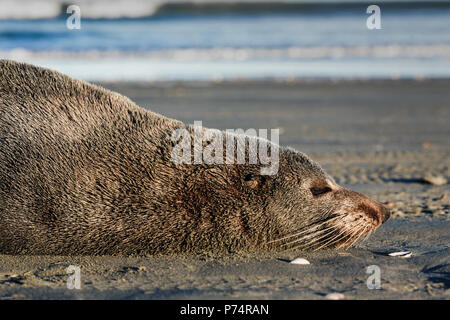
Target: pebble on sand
[(426, 145), (390, 204), (300, 261)]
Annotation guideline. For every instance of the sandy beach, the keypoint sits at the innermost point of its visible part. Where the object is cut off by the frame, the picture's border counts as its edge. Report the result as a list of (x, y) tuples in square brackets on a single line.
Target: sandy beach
[(389, 139)]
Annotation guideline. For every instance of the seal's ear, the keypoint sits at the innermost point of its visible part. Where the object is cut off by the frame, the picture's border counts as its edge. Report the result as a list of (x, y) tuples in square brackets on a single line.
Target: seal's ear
[(255, 181)]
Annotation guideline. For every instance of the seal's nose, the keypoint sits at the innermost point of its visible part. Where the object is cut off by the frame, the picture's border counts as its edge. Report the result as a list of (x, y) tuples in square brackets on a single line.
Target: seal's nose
[(386, 213)]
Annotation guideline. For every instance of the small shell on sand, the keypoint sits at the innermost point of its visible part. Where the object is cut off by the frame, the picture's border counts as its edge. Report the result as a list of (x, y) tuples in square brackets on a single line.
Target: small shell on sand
[(435, 180), (401, 254), (335, 296), (300, 261)]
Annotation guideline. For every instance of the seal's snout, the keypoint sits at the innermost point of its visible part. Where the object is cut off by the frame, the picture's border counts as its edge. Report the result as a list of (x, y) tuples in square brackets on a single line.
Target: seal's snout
[(385, 214), (372, 209)]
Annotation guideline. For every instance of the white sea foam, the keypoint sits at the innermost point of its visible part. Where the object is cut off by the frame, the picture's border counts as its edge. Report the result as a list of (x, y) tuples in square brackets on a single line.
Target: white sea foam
[(142, 69), (246, 54), (218, 64)]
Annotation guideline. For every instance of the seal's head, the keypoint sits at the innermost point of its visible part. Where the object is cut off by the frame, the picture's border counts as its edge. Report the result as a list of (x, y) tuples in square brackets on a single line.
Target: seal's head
[(298, 207), (314, 212)]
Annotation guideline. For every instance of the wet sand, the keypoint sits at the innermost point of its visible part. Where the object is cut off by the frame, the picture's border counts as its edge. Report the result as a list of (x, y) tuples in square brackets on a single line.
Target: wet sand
[(381, 138)]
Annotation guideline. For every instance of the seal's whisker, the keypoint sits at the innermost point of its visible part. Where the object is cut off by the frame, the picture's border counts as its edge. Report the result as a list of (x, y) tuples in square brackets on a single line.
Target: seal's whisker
[(299, 243), (296, 244), (310, 244), (355, 235), (313, 234), (363, 230), (303, 230), (368, 235), (366, 230), (333, 240), (309, 228), (341, 235), (357, 231)]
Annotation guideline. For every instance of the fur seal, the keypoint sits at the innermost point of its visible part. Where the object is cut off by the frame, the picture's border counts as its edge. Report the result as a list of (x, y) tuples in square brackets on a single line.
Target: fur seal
[(85, 171)]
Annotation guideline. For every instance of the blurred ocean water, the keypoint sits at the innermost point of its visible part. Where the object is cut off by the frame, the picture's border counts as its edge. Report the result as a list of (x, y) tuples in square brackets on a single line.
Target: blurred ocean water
[(330, 42)]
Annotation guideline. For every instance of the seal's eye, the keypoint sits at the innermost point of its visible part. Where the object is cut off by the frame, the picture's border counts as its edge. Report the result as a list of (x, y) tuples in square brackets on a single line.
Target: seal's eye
[(249, 177), (254, 181), (319, 191)]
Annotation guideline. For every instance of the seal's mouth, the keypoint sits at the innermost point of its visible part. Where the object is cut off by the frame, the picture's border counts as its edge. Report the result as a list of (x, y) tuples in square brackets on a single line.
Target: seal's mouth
[(352, 233), (342, 229), (321, 234)]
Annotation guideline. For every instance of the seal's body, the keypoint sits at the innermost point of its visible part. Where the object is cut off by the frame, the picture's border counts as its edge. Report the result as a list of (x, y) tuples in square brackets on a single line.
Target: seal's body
[(85, 171)]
